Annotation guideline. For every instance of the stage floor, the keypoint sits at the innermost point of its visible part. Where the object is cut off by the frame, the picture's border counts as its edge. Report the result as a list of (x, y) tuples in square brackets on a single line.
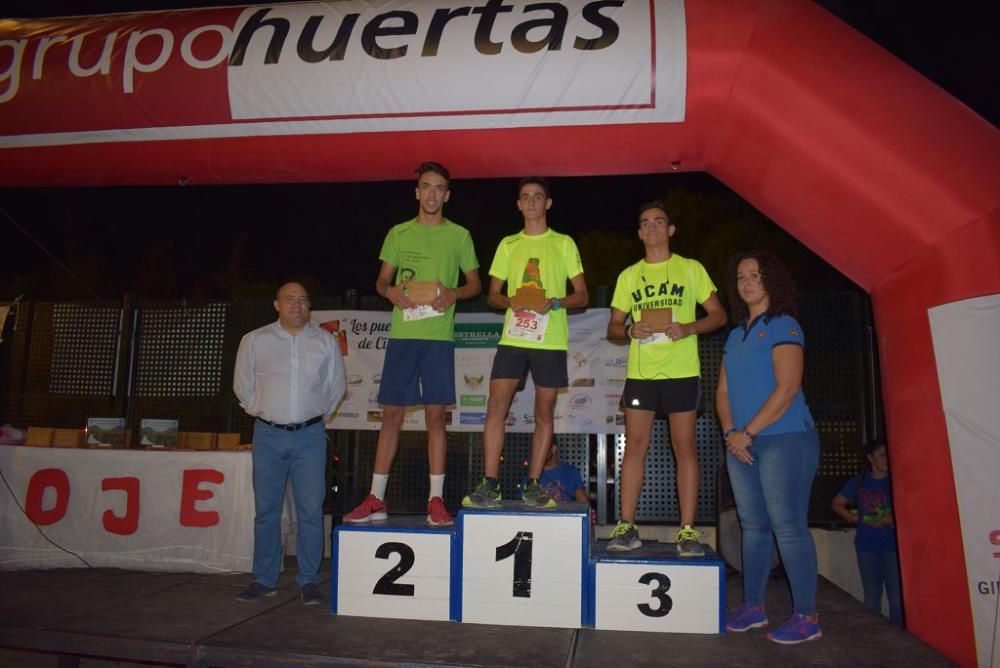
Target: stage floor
[(188, 619)]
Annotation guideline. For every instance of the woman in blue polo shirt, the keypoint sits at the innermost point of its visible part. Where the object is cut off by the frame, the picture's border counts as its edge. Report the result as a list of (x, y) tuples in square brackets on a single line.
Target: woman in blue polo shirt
[(773, 450)]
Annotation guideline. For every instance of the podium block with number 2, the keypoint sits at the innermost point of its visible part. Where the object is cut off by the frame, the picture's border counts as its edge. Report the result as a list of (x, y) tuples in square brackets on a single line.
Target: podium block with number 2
[(524, 567), (399, 569)]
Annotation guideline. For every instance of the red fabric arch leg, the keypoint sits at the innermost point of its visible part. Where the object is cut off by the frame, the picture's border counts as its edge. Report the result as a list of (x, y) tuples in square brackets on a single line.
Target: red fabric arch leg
[(935, 584)]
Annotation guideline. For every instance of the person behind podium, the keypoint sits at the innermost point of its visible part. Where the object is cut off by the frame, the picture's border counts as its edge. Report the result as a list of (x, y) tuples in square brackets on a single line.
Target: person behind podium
[(659, 293), (773, 449), (536, 263), (289, 375), (560, 480), (421, 262)]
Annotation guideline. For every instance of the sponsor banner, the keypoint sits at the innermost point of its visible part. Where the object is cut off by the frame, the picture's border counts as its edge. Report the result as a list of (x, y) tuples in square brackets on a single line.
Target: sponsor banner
[(478, 334), (965, 350), (140, 510), (589, 405), (341, 67)]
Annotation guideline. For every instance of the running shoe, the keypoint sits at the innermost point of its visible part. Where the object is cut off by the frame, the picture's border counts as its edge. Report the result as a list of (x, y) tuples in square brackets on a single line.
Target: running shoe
[(746, 617), (536, 496), (624, 537), (689, 542), (372, 509), (798, 628), (437, 514), (485, 495)]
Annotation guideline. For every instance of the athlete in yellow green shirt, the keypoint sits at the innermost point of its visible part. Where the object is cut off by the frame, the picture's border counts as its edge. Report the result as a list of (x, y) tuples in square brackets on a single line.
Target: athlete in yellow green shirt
[(663, 368), (534, 340)]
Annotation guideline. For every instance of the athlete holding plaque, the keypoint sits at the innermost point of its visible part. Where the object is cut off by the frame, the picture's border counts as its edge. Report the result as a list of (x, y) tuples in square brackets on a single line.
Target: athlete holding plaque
[(659, 293), (421, 261), (536, 263)]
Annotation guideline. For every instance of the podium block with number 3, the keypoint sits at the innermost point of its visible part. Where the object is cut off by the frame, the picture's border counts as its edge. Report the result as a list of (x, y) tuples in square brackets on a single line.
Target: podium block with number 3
[(400, 569), (524, 567), (651, 589)]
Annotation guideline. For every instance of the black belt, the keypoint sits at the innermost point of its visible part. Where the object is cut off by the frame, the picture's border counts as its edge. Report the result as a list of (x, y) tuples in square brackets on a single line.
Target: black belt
[(293, 427)]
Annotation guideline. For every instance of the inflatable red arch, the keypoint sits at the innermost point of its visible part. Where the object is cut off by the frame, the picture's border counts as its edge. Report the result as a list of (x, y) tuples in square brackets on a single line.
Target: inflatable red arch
[(884, 175)]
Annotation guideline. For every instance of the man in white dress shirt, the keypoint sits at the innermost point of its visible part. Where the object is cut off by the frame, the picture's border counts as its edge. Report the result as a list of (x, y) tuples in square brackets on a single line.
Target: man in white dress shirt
[(290, 376)]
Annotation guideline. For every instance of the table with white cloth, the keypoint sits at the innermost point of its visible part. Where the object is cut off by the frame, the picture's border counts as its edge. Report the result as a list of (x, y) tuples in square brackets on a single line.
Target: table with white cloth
[(135, 509)]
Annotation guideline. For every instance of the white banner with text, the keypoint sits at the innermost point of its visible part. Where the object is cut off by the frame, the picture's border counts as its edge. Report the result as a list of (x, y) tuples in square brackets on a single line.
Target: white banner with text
[(965, 336), (341, 67)]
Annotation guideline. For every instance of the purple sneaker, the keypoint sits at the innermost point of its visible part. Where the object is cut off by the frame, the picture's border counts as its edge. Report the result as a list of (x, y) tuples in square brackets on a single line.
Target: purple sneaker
[(746, 617), (798, 628)]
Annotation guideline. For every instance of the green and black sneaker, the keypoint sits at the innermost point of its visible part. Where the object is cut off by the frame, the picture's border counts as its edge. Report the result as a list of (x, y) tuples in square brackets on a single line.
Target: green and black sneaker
[(689, 542), (536, 496), (625, 537), (485, 495)]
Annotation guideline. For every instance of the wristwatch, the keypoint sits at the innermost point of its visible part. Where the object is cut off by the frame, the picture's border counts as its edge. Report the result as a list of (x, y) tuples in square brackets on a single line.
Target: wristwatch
[(749, 434), (556, 303)]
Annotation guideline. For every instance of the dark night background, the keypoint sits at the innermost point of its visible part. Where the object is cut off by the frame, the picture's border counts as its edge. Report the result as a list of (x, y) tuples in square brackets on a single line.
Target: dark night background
[(212, 242)]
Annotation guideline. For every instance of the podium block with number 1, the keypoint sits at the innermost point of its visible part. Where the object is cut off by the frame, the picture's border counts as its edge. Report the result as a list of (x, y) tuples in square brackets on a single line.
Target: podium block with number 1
[(522, 566)]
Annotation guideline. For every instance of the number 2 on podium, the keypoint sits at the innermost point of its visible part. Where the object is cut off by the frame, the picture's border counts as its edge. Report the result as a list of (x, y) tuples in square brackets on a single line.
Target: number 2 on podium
[(387, 584)]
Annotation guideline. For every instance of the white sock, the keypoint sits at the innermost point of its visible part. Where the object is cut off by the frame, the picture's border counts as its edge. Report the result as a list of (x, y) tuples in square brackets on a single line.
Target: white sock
[(437, 486), (379, 483)]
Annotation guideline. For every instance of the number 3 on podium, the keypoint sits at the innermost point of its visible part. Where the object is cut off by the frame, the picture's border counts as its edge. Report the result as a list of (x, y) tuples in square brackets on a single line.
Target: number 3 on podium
[(659, 593)]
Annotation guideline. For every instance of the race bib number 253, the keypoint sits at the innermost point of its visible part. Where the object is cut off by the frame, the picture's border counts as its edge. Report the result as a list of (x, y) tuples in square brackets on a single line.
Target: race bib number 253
[(528, 325)]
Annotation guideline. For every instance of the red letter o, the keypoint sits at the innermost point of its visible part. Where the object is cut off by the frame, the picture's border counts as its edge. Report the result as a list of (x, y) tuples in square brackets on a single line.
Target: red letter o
[(55, 478)]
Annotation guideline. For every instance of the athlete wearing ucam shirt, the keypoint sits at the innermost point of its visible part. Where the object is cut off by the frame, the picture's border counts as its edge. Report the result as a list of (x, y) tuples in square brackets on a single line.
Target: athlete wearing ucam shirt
[(659, 293)]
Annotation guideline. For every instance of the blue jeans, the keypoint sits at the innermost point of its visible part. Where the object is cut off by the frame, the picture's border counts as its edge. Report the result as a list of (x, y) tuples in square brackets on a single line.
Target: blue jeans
[(877, 569), (279, 455), (772, 495)]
